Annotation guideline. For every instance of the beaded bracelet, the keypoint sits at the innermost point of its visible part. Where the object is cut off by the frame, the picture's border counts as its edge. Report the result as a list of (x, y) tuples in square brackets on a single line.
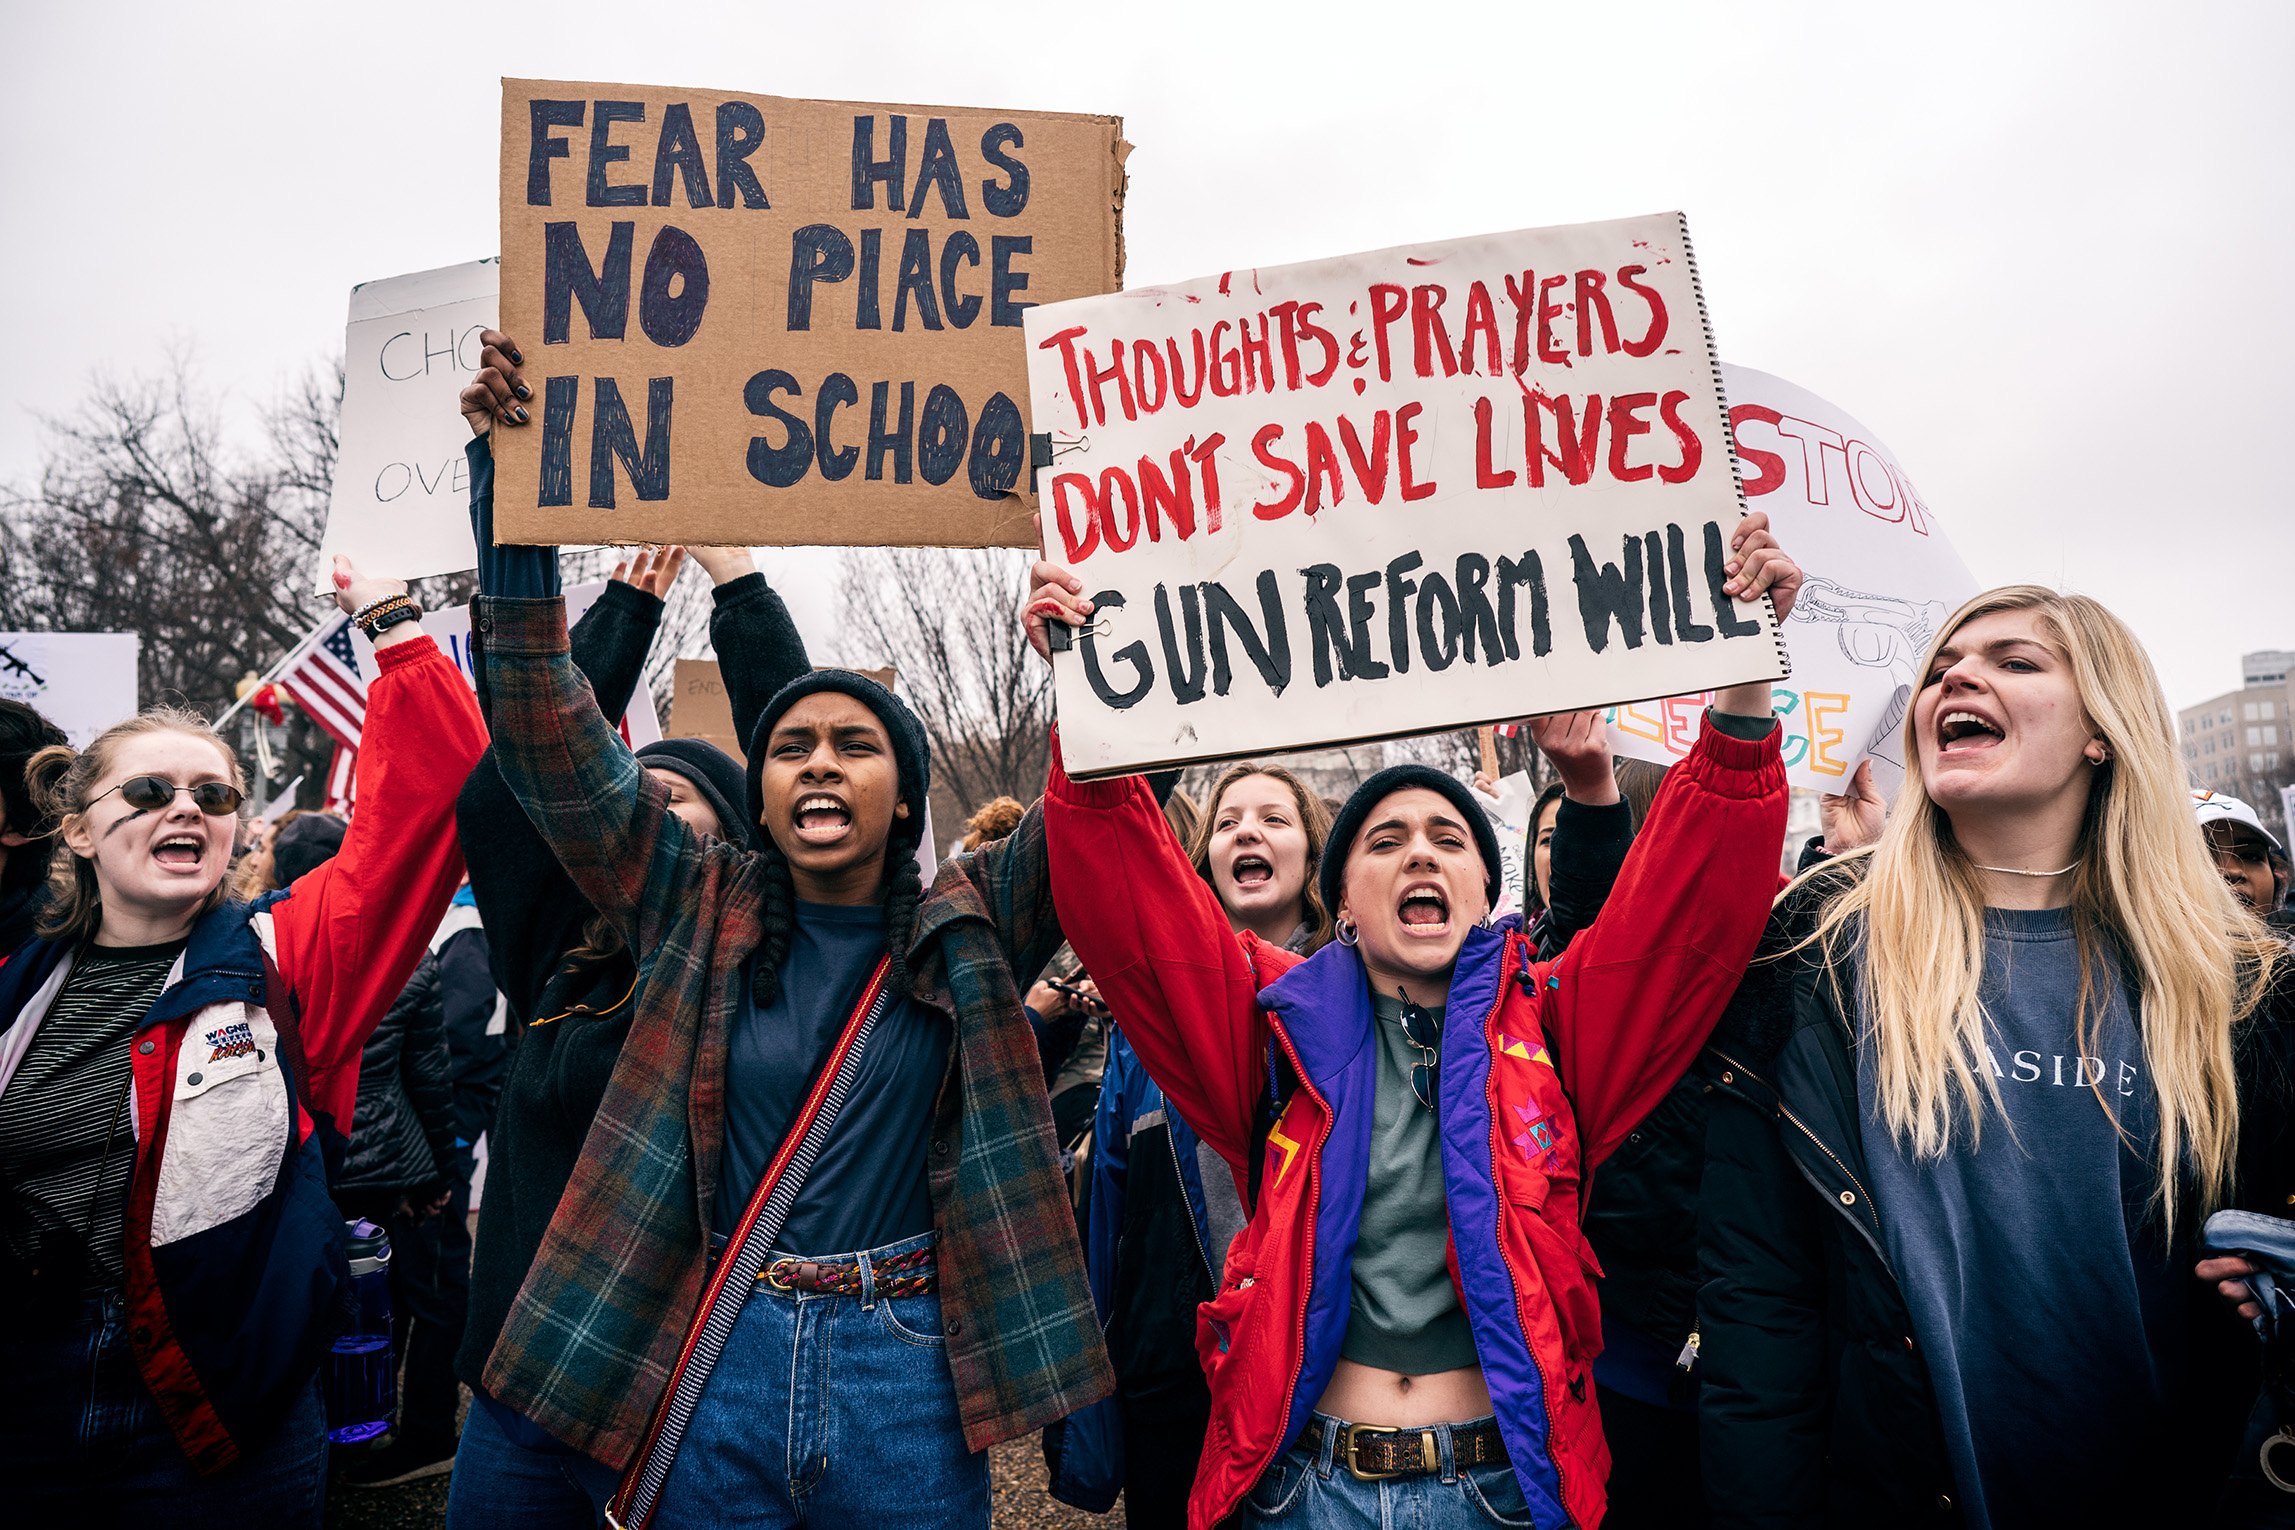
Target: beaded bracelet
[(386, 612)]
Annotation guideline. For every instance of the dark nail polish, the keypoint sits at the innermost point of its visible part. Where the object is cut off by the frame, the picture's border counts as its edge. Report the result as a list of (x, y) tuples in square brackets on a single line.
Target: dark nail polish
[(524, 391), (516, 359), (521, 414)]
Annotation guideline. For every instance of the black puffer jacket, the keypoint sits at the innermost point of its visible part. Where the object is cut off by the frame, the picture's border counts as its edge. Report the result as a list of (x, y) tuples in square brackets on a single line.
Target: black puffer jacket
[(568, 1024), (1817, 1409), (402, 1133)]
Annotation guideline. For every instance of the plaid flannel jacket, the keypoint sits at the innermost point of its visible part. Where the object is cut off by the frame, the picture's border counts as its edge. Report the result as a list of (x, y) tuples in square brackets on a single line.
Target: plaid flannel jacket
[(596, 1327)]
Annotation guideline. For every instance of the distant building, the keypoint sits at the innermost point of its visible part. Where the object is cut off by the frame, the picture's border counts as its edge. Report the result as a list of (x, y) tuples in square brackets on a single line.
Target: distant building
[(2243, 742)]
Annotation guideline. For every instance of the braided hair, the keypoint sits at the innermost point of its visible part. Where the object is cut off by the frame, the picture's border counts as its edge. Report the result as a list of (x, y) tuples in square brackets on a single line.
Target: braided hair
[(903, 894)]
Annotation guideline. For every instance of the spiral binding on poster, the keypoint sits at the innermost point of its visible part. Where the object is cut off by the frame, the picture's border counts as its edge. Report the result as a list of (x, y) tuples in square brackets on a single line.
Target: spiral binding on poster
[(1728, 428)]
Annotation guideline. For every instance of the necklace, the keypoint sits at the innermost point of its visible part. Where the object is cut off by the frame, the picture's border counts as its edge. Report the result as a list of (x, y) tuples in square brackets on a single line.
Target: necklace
[(2015, 871)]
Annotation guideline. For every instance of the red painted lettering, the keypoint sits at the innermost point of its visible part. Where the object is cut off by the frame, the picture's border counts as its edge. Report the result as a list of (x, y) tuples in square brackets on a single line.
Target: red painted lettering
[(1625, 424), (1480, 320), (1388, 303), (1268, 435), (1592, 305), (1548, 352), (1174, 497), (1371, 471), (1227, 370), (1144, 355), (1077, 547), (1405, 437), (1322, 464), (1525, 301), (1111, 481), (1772, 475), (1264, 374), (1425, 328), (1066, 341), (1206, 459), (1692, 449), (1180, 390), (1484, 478), (1649, 342), (1113, 372)]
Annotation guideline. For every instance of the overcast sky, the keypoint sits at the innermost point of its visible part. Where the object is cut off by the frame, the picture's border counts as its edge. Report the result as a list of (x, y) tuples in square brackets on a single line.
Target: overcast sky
[(2041, 252)]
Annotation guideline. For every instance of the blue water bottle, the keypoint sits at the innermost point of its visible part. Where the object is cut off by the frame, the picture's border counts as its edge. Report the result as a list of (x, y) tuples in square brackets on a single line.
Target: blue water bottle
[(360, 1377)]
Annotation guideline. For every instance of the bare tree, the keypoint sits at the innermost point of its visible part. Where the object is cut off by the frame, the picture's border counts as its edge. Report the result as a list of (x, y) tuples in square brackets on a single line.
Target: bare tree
[(947, 620)]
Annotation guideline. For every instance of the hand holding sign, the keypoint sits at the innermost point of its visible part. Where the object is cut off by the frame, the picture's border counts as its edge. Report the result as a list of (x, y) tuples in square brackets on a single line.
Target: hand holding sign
[(498, 391)]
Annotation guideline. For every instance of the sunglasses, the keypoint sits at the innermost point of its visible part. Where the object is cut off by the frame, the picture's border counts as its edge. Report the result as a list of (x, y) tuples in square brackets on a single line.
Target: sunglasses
[(1424, 1032), (151, 793)]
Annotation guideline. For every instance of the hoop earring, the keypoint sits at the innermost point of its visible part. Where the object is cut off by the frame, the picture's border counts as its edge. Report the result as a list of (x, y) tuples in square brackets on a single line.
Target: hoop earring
[(1346, 934)]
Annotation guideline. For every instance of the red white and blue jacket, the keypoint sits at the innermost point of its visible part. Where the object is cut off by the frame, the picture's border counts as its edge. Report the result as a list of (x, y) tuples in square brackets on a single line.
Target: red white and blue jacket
[(1545, 1068), (233, 1249)]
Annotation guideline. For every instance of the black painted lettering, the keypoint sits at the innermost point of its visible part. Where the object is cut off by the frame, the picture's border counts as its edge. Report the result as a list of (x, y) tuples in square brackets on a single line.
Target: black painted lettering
[(1686, 626), (837, 391), (1360, 610), (868, 169), (1605, 595), (1183, 671), (544, 146), (1399, 592), (560, 397), (1475, 618), (1717, 575), (777, 467), (1133, 653), (1528, 570), (938, 169), (604, 152), (1007, 200), (1326, 628), (1271, 655), (896, 441), (567, 278), (941, 435), (818, 252), (612, 437), (740, 133), (1437, 645), (679, 153)]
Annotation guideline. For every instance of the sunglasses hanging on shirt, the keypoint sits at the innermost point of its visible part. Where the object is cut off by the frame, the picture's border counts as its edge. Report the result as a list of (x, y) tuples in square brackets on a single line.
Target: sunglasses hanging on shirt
[(1423, 1031)]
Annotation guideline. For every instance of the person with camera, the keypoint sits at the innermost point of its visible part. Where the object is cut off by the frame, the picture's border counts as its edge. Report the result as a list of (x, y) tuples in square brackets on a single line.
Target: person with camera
[(175, 1071)]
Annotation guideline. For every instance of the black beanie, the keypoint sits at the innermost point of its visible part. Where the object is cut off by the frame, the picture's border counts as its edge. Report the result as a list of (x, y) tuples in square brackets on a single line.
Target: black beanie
[(912, 753), (1398, 778), (303, 844), (711, 772)]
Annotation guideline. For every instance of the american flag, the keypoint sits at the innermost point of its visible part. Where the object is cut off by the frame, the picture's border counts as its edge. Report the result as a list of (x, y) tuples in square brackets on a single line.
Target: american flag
[(342, 782), (327, 684)]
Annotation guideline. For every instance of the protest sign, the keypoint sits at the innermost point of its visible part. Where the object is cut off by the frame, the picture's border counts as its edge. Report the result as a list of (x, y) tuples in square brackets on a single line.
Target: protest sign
[(401, 503), (83, 682), (698, 707), (1389, 494), (1881, 579), (450, 628), (761, 321)]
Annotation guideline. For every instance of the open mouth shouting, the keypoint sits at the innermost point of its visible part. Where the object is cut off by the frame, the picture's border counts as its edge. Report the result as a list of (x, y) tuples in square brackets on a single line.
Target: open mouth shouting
[(180, 852), (1252, 871), (822, 818), (1962, 731), (1424, 912)]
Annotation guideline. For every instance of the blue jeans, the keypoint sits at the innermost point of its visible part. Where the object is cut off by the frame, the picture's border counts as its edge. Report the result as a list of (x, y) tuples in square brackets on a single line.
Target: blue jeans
[(1306, 1490), (510, 1475), (83, 1444), (829, 1411)]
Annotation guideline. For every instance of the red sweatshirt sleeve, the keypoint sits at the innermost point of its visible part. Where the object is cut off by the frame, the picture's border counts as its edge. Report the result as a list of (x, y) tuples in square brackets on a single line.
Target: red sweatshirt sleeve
[(350, 931), (1153, 937), (1635, 996)]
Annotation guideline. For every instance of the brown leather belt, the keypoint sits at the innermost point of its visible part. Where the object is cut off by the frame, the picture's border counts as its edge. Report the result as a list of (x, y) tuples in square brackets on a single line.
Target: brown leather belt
[(1373, 1453), (910, 1274)]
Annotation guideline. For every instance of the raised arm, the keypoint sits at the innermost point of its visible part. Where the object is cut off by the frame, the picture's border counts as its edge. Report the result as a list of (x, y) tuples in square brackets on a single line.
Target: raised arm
[(607, 820), (348, 934), (1154, 939)]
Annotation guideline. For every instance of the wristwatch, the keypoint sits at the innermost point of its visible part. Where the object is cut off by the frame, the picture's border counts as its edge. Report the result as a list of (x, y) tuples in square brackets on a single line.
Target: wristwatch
[(391, 618)]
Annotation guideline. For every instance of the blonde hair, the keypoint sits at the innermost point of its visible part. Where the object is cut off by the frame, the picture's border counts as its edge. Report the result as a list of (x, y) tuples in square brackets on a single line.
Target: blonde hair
[(2144, 890), (61, 781), (1314, 818)]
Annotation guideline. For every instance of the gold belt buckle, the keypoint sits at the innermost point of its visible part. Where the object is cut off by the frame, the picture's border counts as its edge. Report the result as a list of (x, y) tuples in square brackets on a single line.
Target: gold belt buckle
[(775, 1277), (1430, 1456)]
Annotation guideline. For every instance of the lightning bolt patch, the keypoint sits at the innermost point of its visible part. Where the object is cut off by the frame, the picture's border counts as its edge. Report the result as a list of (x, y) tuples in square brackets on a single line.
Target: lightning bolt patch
[(1276, 1139)]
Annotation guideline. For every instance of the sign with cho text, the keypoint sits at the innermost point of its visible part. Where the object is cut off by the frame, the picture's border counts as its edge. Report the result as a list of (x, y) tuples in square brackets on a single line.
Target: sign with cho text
[(401, 501), (1390, 494), (751, 320)]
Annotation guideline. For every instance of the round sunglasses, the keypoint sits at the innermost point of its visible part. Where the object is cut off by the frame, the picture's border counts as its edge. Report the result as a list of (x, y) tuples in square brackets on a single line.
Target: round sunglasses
[(151, 793)]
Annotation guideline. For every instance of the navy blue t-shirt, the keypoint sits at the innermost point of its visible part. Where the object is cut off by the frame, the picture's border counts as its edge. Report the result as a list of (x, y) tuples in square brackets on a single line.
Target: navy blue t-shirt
[(2043, 1293), (867, 1188)]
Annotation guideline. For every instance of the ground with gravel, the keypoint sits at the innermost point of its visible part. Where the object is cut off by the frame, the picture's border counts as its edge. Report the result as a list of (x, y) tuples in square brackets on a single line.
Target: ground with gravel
[(1017, 1500)]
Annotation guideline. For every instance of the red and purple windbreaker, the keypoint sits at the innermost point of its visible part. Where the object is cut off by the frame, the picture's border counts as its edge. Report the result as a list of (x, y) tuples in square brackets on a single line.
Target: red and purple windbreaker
[(1545, 1069)]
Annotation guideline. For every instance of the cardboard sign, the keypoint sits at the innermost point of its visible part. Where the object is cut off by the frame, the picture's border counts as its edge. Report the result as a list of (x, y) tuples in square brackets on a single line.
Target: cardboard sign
[(1390, 494), (699, 707), (401, 503), (83, 682), (1881, 577), (761, 321)]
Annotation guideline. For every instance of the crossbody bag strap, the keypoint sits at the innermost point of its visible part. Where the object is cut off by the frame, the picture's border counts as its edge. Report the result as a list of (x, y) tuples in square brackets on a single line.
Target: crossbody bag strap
[(745, 1254)]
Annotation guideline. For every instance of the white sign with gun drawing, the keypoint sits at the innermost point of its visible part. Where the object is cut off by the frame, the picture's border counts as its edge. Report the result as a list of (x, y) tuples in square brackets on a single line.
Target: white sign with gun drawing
[(1882, 577)]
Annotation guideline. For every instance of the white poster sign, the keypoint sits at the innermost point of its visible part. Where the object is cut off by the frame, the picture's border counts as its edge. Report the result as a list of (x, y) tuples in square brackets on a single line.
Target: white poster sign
[(450, 628), (1881, 579), (1388, 494), (83, 682), (401, 501)]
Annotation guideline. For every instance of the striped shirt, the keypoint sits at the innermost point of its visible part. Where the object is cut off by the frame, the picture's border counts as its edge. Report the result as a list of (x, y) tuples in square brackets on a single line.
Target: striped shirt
[(67, 1148)]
